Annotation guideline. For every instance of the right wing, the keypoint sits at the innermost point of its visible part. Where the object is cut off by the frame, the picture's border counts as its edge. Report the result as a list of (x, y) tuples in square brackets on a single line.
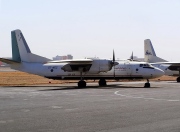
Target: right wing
[(174, 66)]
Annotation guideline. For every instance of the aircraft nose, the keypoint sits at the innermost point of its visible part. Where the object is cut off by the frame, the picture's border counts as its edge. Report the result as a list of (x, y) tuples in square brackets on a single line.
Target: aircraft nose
[(158, 72)]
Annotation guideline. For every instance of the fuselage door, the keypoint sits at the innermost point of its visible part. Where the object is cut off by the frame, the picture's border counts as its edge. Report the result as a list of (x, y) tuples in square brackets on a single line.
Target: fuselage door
[(128, 68)]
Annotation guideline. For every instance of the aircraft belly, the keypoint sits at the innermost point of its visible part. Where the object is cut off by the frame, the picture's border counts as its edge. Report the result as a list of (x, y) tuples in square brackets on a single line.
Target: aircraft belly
[(106, 75), (120, 73)]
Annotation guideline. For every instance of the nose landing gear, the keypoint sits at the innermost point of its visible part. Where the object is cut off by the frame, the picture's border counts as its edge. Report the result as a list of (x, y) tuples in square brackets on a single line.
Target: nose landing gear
[(147, 84)]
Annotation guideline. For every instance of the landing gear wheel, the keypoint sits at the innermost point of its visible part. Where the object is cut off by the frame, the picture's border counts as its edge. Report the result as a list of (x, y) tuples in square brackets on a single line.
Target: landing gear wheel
[(178, 79), (102, 82), (81, 84), (147, 85)]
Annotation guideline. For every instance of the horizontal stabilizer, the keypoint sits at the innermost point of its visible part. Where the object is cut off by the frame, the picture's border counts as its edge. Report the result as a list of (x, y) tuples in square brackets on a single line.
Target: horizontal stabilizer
[(8, 61)]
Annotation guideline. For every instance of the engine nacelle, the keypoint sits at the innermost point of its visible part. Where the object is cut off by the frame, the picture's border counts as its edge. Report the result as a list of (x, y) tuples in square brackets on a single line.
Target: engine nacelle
[(100, 65), (76, 67), (67, 68)]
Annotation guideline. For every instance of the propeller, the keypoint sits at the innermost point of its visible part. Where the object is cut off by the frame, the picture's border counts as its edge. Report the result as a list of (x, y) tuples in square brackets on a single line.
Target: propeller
[(113, 56), (114, 63), (131, 58)]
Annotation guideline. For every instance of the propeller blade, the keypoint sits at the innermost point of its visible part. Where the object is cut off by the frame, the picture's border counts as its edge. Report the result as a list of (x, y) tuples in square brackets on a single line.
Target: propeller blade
[(113, 56), (132, 56), (114, 72), (114, 62)]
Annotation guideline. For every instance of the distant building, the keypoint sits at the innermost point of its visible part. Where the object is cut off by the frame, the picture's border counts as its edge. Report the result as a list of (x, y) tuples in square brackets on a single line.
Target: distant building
[(65, 57), (69, 56)]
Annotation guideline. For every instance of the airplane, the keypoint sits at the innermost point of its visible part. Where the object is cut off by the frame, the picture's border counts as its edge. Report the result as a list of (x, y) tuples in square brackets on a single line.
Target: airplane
[(169, 68), (76, 69)]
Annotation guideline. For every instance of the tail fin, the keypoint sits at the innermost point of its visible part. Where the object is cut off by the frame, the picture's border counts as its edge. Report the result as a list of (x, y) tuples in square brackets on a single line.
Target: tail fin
[(149, 53), (21, 51)]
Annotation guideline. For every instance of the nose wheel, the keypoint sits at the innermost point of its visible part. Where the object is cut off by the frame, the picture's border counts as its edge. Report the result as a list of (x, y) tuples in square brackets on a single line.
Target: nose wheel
[(147, 84)]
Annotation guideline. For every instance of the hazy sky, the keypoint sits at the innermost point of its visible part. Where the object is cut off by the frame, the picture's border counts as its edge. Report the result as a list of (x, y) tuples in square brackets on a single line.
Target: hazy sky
[(89, 28)]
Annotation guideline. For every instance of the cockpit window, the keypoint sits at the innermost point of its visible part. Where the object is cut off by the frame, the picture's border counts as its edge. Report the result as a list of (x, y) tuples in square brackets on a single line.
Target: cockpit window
[(141, 65), (146, 66)]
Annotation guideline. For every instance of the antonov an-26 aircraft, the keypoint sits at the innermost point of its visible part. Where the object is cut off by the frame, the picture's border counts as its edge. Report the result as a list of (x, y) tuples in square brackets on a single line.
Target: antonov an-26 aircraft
[(169, 68), (81, 69)]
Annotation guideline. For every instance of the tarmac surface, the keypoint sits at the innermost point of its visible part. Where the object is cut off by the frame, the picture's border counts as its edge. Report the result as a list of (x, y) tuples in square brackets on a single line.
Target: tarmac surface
[(119, 107)]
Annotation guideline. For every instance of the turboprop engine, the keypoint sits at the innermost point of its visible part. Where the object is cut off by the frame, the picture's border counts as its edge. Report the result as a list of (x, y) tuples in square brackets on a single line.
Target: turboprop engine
[(101, 65)]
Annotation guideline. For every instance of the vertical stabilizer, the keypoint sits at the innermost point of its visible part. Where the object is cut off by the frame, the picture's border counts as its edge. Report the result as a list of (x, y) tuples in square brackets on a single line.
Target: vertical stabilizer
[(149, 53), (21, 51), (15, 49)]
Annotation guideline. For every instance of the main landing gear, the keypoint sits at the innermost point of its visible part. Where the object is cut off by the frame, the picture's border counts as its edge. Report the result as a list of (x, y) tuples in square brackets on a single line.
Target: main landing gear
[(147, 84), (81, 83), (102, 82)]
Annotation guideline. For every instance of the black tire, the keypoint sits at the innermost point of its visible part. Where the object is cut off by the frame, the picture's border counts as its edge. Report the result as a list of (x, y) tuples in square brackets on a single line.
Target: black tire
[(102, 82), (81, 84), (147, 85), (178, 79)]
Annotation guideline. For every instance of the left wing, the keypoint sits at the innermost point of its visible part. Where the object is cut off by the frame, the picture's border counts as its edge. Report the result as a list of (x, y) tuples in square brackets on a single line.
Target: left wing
[(87, 65), (75, 61), (82, 65)]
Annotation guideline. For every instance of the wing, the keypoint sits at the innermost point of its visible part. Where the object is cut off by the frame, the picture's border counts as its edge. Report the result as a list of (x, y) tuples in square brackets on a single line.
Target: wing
[(74, 61), (86, 65), (174, 66), (75, 64)]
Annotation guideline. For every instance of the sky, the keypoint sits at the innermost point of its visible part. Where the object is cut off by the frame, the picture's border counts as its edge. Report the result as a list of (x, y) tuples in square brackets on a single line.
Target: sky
[(92, 28)]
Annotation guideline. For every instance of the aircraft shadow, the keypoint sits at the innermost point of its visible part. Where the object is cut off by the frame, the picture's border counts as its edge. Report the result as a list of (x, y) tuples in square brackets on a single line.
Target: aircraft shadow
[(65, 87), (94, 87)]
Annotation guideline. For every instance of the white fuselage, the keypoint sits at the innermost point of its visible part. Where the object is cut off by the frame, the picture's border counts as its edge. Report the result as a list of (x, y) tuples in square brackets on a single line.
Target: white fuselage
[(125, 69)]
